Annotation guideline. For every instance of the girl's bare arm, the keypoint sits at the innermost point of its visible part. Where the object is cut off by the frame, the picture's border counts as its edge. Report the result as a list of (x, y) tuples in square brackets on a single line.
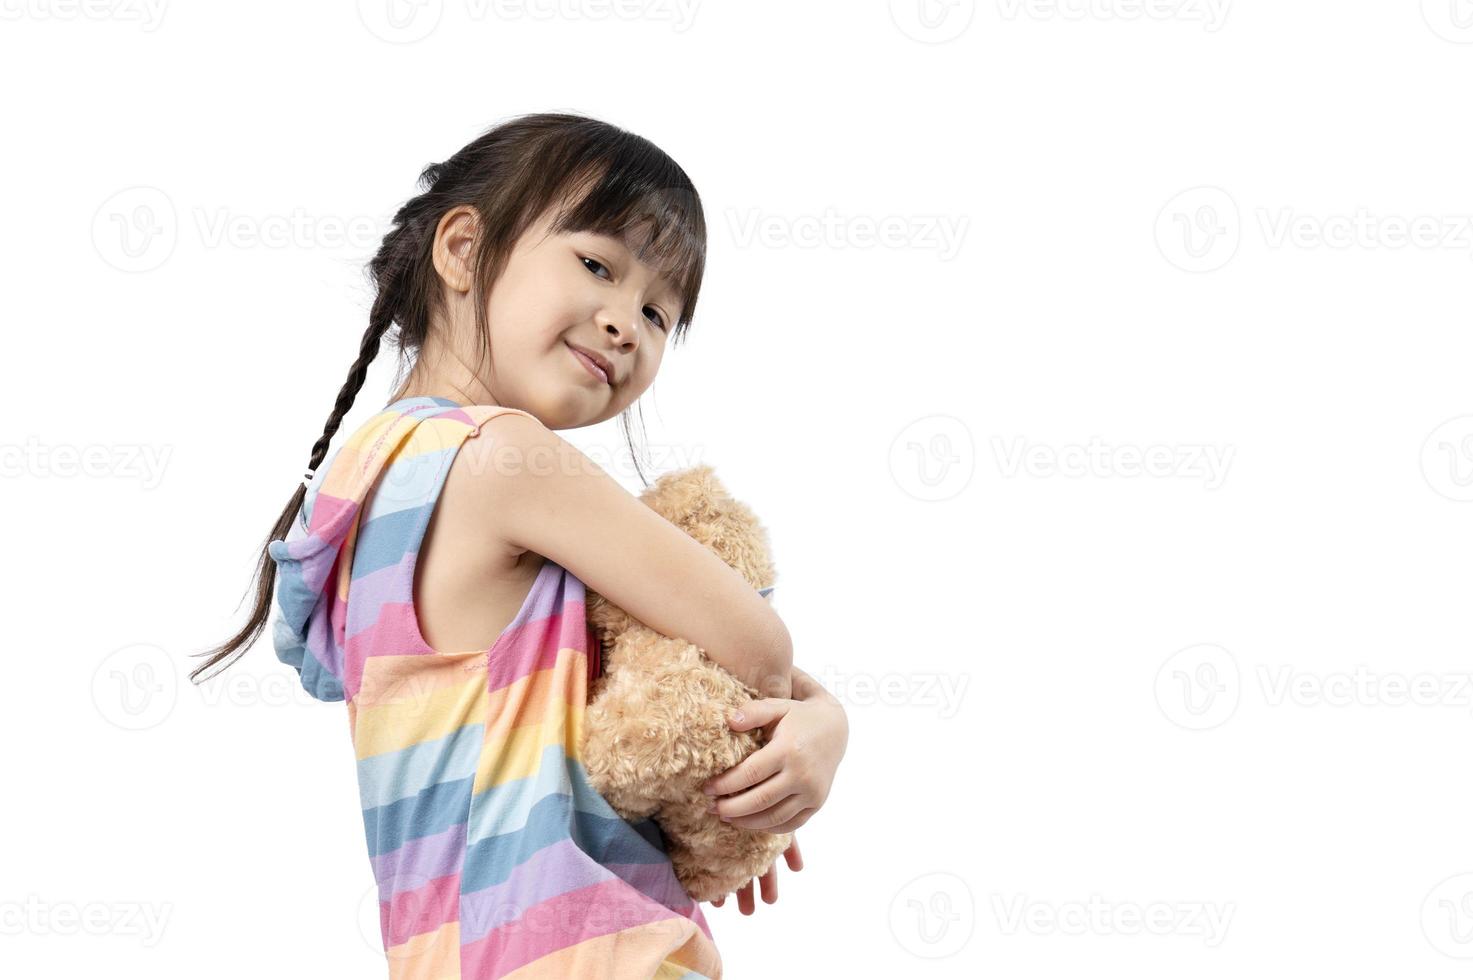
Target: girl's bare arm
[(553, 500)]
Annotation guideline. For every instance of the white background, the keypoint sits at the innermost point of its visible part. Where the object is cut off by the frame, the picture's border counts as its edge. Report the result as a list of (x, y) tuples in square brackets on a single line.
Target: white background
[(1179, 231)]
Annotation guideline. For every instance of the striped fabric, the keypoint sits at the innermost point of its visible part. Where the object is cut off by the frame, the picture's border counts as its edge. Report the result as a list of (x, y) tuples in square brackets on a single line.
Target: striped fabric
[(493, 856)]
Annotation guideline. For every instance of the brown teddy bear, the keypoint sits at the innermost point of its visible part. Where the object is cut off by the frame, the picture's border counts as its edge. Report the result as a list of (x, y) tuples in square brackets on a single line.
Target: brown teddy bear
[(655, 729)]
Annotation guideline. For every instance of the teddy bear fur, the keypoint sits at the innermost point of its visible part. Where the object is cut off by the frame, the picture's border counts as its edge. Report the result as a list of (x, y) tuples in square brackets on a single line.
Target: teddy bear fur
[(655, 728)]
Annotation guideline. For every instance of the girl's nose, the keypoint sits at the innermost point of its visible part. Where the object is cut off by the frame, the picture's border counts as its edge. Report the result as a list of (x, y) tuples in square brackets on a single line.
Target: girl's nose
[(621, 334)]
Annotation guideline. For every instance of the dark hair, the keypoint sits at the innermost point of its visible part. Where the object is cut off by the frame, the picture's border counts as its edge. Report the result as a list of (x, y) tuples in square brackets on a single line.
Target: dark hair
[(600, 177)]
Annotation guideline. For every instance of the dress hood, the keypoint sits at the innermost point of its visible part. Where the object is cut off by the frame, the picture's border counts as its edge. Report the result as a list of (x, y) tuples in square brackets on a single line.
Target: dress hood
[(314, 562)]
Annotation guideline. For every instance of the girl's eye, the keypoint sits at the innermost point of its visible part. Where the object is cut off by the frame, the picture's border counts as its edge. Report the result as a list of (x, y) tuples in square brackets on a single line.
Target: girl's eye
[(660, 320)]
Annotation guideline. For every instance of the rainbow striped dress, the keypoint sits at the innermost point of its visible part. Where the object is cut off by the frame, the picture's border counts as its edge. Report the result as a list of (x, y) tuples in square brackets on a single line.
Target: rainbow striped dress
[(493, 855)]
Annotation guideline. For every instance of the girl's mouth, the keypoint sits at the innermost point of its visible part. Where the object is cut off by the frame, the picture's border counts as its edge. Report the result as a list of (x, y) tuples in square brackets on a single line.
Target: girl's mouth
[(590, 364)]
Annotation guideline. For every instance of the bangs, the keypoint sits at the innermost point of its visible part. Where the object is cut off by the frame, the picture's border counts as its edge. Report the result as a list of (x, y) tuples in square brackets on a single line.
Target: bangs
[(655, 211)]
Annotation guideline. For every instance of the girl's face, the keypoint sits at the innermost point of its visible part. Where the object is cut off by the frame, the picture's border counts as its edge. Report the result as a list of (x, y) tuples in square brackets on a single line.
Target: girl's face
[(584, 290)]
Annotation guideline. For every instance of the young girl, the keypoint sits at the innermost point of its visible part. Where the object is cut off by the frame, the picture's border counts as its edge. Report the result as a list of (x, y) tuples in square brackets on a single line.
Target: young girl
[(432, 574)]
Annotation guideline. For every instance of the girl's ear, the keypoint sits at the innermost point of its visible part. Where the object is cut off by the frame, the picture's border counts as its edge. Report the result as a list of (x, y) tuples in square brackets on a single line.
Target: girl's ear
[(455, 238)]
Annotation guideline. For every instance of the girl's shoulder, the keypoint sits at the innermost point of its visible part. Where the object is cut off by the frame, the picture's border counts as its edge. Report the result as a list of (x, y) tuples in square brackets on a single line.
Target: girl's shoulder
[(515, 444)]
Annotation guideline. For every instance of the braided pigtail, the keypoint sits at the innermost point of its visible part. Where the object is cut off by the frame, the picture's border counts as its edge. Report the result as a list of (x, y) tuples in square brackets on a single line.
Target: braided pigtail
[(390, 270)]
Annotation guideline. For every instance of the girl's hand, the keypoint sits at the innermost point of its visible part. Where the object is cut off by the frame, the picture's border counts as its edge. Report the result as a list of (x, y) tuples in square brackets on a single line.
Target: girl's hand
[(782, 784), (769, 882)]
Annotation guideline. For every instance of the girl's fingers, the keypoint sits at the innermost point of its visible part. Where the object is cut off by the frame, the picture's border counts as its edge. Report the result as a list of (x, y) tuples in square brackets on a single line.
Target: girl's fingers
[(792, 855), (791, 825), (749, 772), (758, 713), (769, 885), (768, 793), (780, 812), (744, 899)]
